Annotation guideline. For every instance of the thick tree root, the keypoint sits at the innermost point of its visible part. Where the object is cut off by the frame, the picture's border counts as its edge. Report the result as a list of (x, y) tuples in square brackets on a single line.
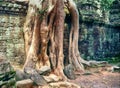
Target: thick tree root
[(60, 74)]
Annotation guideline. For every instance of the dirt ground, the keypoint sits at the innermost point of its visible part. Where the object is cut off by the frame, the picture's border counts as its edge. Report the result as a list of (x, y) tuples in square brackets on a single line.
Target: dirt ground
[(103, 79), (97, 78)]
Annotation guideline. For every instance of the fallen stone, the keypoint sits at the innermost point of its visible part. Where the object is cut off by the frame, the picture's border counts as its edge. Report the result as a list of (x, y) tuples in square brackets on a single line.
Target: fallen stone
[(115, 69), (69, 71), (7, 73), (44, 70), (28, 83), (98, 63), (38, 79), (35, 76), (20, 75)]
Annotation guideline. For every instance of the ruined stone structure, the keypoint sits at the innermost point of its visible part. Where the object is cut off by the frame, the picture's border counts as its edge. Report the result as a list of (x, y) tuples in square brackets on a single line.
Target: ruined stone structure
[(97, 40), (115, 13), (12, 17)]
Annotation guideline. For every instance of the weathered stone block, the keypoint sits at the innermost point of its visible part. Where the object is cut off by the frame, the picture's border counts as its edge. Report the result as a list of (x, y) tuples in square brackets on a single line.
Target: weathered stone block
[(7, 73)]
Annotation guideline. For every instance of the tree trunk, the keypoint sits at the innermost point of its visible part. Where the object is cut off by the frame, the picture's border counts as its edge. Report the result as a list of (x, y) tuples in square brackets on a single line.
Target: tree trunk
[(43, 57), (58, 38), (43, 29), (74, 55), (32, 37), (37, 29)]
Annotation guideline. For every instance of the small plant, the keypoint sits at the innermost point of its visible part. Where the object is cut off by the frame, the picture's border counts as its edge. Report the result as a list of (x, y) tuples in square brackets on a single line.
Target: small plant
[(42, 12)]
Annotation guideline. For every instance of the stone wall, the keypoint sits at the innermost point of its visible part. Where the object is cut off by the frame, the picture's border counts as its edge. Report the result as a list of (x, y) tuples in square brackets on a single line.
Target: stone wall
[(11, 31), (115, 13), (98, 39)]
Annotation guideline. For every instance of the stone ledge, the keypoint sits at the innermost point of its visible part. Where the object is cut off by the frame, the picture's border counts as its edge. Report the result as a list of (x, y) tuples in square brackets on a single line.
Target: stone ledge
[(29, 84)]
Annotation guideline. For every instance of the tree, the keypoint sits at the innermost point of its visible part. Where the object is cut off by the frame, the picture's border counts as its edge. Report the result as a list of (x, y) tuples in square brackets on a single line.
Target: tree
[(43, 32)]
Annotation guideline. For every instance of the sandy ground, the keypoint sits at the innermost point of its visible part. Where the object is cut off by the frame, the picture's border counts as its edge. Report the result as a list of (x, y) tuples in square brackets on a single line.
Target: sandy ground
[(102, 79)]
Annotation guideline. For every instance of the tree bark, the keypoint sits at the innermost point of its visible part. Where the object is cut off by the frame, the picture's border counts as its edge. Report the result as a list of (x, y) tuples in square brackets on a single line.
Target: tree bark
[(31, 35), (43, 57), (58, 37), (74, 55), (32, 55)]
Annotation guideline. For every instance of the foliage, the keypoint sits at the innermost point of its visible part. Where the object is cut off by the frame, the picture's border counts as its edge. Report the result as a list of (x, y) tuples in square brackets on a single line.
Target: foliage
[(106, 4), (113, 60), (43, 11)]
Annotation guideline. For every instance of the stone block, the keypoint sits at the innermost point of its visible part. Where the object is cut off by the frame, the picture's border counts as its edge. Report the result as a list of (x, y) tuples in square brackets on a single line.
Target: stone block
[(7, 73)]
